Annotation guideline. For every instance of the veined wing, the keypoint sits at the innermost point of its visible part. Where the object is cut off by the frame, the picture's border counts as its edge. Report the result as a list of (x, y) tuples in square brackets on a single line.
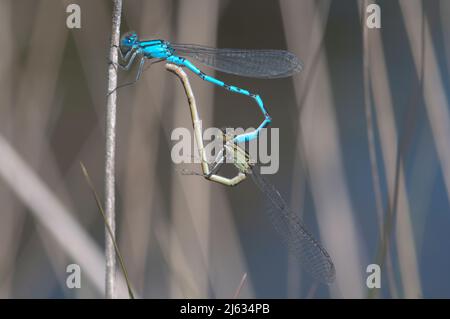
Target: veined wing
[(264, 64), (299, 241)]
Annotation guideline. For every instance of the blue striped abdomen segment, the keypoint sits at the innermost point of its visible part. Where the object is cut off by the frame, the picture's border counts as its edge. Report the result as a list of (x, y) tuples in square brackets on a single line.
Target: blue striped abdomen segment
[(240, 138)]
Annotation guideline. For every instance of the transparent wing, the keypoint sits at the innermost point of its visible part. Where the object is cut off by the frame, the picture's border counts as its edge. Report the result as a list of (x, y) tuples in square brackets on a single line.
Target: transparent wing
[(264, 64), (299, 241)]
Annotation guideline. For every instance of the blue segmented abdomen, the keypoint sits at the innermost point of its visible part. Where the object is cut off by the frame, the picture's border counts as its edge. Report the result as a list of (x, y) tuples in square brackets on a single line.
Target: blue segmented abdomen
[(240, 138), (183, 62)]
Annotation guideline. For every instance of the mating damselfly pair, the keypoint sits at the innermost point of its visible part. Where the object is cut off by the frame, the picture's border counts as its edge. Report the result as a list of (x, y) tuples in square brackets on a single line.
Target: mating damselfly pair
[(265, 64)]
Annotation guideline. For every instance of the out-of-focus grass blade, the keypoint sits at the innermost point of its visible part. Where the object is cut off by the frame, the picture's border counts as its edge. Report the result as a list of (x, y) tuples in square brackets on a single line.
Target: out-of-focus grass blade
[(100, 208), (239, 288)]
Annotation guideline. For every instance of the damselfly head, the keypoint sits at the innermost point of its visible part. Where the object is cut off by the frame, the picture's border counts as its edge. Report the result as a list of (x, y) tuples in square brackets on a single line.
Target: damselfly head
[(128, 40)]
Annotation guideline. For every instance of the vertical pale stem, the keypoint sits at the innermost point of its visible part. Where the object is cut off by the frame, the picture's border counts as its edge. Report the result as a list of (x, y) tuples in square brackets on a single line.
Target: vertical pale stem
[(110, 152)]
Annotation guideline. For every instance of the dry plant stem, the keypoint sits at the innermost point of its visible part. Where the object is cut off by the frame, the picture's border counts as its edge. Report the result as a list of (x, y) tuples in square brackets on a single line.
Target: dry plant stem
[(110, 232), (239, 288), (110, 274)]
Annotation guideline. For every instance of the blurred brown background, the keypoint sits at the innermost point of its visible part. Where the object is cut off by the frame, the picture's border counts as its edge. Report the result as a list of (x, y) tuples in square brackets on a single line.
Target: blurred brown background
[(364, 130)]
